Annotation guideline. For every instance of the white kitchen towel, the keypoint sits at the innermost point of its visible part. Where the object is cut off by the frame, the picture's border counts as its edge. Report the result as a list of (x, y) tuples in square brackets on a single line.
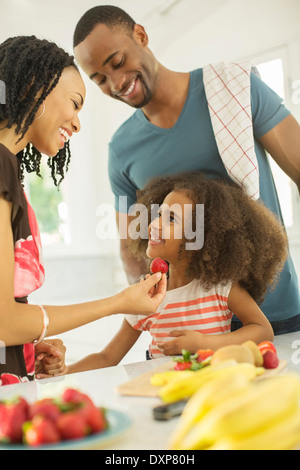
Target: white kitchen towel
[(227, 88)]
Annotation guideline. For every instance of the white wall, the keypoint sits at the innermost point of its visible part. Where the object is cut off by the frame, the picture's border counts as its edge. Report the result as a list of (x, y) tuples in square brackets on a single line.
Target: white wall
[(238, 29), (190, 35)]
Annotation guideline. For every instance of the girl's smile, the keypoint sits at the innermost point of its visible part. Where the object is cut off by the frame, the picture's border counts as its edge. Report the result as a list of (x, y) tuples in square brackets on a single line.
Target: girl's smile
[(166, 232), (154, 238)]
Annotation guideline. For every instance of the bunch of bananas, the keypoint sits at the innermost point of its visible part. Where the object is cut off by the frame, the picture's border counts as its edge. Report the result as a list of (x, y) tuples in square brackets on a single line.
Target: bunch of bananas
[(232, 412), (182, 385)]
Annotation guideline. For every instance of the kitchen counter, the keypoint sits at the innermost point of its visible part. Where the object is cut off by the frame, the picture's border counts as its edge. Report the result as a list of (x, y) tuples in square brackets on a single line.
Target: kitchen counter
[(145, 433)]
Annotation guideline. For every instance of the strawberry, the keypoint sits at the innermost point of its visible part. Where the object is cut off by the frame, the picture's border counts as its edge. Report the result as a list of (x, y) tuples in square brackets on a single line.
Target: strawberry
[(72, 425), (266, 346), (47, 407), (71, 395), (271, 360), (159, 265), (93, 416), (13, 414), (203, 354), (183, 366), (40, 430)]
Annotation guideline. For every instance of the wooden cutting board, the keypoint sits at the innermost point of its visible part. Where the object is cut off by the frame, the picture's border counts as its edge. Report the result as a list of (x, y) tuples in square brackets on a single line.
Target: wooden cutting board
[(141, 386)]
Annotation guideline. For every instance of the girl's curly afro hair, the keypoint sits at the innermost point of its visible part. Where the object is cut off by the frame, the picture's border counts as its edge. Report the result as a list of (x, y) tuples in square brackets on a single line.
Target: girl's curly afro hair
[(244, 242)]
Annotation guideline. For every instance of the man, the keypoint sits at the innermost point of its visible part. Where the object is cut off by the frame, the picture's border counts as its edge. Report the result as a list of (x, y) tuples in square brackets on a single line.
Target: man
[(171, 131)]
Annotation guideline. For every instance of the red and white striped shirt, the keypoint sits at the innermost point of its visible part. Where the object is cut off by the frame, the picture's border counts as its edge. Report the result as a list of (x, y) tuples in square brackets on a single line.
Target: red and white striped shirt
[(190, 307)]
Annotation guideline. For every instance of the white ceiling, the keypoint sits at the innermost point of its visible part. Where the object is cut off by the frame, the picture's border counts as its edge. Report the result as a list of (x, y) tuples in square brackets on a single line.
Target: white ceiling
[(165, 20)]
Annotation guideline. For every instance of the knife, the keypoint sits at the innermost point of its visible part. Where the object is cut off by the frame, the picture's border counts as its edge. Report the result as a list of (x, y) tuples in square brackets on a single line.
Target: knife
[(169, 411)]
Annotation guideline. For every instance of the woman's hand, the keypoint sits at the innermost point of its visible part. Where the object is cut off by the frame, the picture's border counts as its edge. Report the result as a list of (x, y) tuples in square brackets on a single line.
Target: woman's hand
[(145, 297), (50, 359)]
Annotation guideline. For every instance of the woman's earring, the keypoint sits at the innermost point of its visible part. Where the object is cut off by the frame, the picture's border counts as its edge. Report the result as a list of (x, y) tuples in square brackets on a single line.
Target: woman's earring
[(44, 108)]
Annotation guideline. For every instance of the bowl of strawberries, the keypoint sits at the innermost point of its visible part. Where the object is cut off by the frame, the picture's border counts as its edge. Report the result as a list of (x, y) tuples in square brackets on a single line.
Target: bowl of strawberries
[(71, 421)]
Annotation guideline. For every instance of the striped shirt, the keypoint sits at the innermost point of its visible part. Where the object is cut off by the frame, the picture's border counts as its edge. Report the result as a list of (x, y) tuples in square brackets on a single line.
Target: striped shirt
[(190, 307)]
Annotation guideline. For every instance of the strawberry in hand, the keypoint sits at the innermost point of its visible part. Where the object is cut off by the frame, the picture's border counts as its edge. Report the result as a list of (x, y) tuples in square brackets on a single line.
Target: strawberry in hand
[(158, 265)]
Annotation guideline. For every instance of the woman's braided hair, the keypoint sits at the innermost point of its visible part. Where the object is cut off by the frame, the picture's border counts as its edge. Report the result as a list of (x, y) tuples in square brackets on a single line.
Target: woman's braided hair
[(28, 66)]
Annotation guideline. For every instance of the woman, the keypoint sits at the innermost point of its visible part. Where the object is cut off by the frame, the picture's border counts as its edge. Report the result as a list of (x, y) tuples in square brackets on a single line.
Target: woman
[(44, 93)]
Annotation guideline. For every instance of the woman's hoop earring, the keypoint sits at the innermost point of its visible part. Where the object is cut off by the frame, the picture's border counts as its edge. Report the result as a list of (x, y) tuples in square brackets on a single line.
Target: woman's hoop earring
[(44, 108)]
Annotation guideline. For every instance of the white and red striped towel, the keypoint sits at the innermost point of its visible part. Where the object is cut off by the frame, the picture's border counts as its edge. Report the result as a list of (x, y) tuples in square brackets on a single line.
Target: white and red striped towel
[(227, 88)]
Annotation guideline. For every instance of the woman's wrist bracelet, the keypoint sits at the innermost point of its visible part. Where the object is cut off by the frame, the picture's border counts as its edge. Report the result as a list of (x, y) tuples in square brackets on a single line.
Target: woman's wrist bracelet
[(45, 326)]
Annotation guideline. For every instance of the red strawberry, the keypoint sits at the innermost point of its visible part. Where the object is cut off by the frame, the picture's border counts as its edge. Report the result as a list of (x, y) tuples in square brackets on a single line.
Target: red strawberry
[(183, 366), (72, 425), (12, 417), (266, 346), (204, 354), (40, 431), (159, 265), (46, 408), (94, 417), (271, 360), (71, 395)]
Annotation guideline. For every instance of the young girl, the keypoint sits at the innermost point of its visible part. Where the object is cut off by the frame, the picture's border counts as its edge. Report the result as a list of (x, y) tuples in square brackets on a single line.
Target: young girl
[(43, 94), (243, 251)]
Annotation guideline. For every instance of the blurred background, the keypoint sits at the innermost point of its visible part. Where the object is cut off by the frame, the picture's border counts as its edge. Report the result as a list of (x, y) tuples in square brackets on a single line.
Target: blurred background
[(184, 35)]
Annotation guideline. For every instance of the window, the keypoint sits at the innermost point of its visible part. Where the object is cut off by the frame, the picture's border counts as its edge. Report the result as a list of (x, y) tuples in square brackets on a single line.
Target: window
[(272, 68), (50, 208)]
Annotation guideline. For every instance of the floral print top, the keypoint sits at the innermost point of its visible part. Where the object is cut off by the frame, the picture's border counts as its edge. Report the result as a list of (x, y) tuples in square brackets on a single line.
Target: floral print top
[(17, 362)]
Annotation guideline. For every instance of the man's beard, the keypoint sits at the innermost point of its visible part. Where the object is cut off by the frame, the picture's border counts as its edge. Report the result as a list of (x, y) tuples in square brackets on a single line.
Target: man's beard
[(147, 94)]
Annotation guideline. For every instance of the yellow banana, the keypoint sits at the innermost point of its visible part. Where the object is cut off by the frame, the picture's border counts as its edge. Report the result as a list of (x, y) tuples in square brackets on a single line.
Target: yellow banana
[(284, 435), (184, 387), (262, 405), (163, 378), (210, 395)]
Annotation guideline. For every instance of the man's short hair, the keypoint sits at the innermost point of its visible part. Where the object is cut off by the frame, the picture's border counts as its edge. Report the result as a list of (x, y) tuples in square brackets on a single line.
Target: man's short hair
[(112, 17)]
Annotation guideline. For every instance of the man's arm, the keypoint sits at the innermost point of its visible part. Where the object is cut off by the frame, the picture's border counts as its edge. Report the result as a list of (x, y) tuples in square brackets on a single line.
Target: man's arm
[(283, 144), (133, 268)]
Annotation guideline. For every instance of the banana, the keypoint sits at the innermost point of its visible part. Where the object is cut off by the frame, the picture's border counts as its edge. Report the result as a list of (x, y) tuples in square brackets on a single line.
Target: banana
[(284, 435), (259, 406), (163, 378), (184, 387), (210, 395)]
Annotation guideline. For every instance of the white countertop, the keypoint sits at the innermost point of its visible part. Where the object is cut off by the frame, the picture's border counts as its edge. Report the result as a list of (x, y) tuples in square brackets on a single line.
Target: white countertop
[(145, 433)]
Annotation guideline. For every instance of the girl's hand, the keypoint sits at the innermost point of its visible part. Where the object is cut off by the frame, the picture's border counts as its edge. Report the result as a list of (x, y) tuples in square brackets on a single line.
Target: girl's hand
[(145, 297), (50, 359), (184, 339)]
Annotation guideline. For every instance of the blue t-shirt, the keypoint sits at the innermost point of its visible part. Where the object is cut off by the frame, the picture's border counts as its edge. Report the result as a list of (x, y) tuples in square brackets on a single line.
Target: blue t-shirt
[(140, 151)]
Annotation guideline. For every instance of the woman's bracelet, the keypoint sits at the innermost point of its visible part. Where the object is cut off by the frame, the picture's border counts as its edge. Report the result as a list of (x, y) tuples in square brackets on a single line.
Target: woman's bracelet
[(45, 325)]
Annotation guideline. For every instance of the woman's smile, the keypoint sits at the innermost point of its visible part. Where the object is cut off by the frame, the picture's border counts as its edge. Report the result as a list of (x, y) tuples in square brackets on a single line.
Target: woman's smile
[(65, 136)]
